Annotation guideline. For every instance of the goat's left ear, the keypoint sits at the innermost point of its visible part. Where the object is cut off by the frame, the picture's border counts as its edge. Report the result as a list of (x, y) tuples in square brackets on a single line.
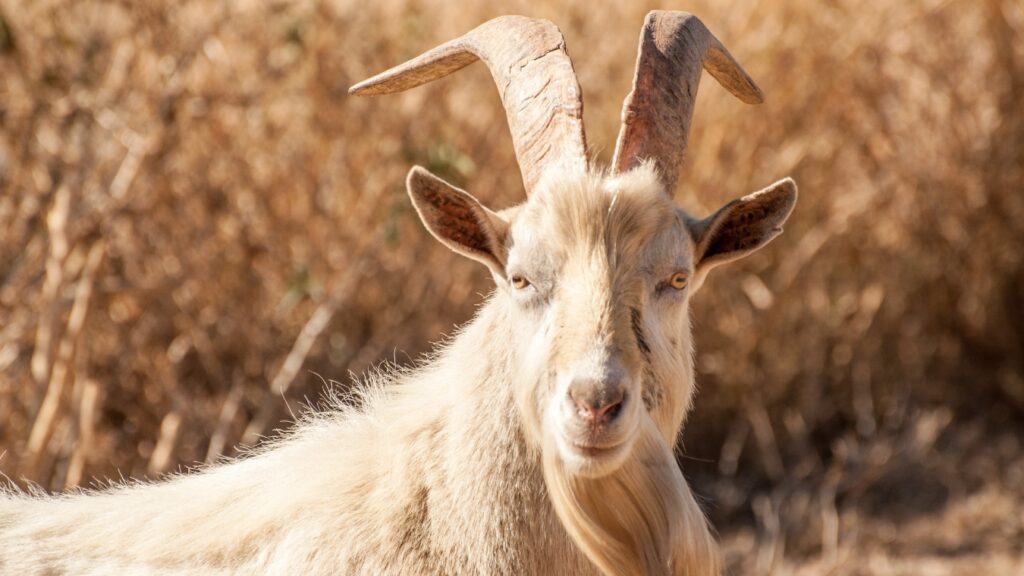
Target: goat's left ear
[(458, 220), (743, 225)]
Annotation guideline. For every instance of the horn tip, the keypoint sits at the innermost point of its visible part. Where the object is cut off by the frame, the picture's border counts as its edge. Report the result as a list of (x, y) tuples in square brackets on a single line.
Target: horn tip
[(362, 88), (755, 96), (383, 83)]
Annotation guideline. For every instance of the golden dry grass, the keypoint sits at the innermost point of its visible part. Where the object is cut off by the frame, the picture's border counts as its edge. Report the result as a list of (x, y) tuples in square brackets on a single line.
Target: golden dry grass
[(198, 225)]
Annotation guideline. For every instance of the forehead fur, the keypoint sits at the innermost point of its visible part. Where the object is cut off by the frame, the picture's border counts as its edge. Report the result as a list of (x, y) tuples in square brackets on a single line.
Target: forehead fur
[(595, 212)]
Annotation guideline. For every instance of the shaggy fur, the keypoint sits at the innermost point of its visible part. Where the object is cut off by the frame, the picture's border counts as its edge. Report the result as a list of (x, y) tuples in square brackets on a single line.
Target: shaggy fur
[(459, 466)]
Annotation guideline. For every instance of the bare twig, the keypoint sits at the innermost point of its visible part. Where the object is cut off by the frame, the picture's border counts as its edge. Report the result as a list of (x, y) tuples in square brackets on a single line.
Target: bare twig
[(87, 414), (228, 411), (164, 450), (56, 223), (42, 428)]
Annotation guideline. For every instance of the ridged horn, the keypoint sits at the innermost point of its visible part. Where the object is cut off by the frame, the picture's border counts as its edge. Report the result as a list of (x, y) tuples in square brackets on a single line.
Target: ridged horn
[(529, 63), (657, 113)]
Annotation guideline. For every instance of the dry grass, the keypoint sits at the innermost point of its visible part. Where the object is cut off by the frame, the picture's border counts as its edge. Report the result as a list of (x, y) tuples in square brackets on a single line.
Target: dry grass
[(197, 222)]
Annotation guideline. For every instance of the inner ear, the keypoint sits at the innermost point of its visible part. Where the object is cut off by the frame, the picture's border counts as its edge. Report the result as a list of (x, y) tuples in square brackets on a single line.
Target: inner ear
[(743, 225), (459, 220)]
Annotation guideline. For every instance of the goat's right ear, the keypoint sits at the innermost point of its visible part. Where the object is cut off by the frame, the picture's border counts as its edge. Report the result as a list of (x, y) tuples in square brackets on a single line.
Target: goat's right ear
[(458, 220)]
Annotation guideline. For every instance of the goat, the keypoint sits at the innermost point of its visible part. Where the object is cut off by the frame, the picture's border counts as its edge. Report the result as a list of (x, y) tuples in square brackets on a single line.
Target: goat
[(540, 439)]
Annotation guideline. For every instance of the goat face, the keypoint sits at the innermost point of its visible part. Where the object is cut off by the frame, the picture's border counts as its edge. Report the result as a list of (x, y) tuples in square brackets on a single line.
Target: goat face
[(596, 274), (600, 269)]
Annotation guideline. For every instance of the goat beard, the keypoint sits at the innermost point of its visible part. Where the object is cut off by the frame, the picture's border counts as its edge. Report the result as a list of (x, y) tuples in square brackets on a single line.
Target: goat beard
[(641, 519)]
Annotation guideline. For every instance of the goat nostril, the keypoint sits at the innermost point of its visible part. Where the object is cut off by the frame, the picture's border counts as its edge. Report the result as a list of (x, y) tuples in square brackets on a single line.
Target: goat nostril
[(596, 405), (610, 411)]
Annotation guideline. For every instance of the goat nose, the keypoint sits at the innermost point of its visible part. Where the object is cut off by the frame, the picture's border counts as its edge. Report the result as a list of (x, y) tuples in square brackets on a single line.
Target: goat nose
[(597, 403)]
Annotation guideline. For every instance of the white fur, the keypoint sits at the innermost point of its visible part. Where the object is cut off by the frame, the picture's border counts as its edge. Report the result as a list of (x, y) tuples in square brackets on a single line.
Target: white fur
[(461, 466)]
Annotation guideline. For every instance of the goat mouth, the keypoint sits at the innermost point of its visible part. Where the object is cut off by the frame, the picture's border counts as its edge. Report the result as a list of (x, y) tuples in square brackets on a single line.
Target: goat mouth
[(595, 451)]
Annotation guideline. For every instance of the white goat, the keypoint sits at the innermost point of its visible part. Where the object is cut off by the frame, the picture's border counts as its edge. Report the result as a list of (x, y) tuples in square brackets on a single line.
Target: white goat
[(539, 441)]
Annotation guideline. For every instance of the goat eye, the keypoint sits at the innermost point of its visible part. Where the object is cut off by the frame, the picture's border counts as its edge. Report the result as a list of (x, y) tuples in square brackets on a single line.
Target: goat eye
[(519, 281), (678, 281)]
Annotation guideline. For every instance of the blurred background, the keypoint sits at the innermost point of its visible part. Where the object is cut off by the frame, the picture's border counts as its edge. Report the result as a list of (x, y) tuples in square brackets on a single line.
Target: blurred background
[(200, 231)]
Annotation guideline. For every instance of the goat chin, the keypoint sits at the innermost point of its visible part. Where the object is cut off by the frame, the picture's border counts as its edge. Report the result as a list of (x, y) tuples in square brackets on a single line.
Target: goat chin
[(640, 519)]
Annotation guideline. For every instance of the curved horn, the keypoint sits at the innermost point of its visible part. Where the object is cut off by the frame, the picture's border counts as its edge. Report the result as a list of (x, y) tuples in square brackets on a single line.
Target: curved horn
[(528, 62), (657, 113)]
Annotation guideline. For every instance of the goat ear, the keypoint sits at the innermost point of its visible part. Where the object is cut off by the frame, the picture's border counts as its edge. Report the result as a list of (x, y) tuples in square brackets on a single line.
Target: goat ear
[(743, 225), (458, 220)]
